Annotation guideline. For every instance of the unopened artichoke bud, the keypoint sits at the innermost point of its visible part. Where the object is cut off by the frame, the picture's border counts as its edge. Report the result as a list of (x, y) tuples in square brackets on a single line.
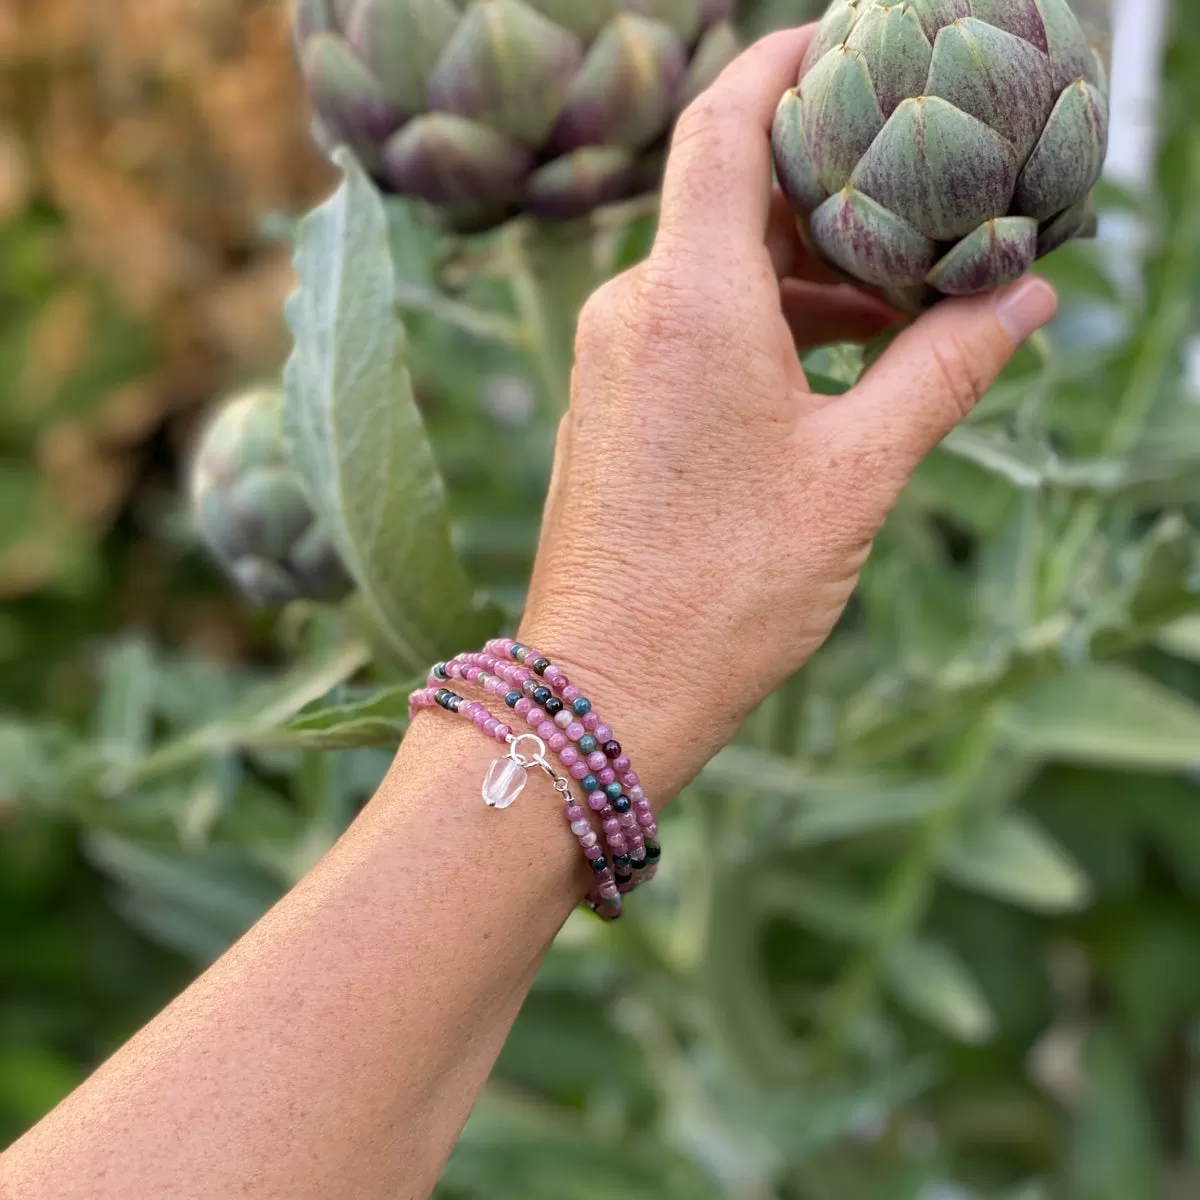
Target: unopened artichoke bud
[(249, 506), (487, 108), (939, 147)]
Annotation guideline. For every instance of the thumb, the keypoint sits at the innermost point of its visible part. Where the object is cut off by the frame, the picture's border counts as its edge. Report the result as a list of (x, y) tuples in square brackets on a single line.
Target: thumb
[(939, 368)]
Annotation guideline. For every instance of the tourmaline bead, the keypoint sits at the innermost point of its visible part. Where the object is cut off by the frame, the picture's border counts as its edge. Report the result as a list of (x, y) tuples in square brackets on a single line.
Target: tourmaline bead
[(620, 862), (570, 693), (546, 730), (591, 722), (622, 804), (589, 840), (575, 813), (612, 749), (587, 743), (607, 776), (541, 695), (591, 784), (529, 687), (540, 665), (621, 764), (514, 650), (653, 850), (523, 705), (608, 891), (581, 705), (490, 726), (603, 733), (617, 844), (579, 769), (553, 706), (503, 732), (598, 864), (568, 756), (612, 827), (511, 698), (630, 779), (637, 793), (557, 740), (439, 670), (597, 801), (580, 827), (613, 790), (575, 731), (645, 818), (595, 760), (627, 819), (564, 719)]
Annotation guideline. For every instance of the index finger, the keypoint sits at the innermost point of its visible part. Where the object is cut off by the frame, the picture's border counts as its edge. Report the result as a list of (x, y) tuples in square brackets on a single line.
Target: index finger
[(717, 190)]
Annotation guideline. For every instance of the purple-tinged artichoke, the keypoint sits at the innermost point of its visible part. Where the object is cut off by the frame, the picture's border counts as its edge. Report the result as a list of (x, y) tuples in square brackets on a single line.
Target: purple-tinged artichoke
[(485, 108), (249, 507), (939, 147)]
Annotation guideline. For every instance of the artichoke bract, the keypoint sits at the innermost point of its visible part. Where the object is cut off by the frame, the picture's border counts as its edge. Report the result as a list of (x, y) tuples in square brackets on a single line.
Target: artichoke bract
[(939, 147), (249, 507), (485, 108)]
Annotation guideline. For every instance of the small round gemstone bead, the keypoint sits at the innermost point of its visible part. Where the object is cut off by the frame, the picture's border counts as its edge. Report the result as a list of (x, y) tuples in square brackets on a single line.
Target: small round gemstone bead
[(535, 716), (591, 784), (597, 801), (622, 804), (621, 764), (613, 790), (608, 891), (511, 698), (569, 692), (653, 850), (645, 818), (540, 665), (575, 731), (529, 687), (589, 840), (607, 776), (612, 826), (523, 705), (553, 706), (515, 649), (612, 749), (541, 695), (579, 828), (603, 733), (595, 760), (598, 864), (581, 705), (557, 740), (637, 792), (439, 670), (627, 819), (568, 756), (564, 719), (591, 722), (575, 813), (630, 779), (587, 743), (579, 769), (618, 845)]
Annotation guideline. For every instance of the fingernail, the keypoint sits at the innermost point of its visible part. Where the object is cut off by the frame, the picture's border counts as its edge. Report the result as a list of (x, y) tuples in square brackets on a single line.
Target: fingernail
[(1025, 307)]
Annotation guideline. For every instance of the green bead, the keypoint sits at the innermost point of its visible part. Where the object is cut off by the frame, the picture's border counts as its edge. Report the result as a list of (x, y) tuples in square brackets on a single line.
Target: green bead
[(613, 791), (590, 784), (586, 744), (582, 706)]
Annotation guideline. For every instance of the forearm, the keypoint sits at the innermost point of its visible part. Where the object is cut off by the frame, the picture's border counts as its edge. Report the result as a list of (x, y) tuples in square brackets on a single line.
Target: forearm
[(339, 1046)]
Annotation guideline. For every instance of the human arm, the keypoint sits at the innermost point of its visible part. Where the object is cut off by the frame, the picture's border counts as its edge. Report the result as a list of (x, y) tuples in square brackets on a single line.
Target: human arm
[(707, 519)]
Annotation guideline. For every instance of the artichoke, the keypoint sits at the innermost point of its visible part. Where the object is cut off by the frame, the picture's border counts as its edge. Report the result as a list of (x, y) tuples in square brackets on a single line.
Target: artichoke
[(939, 147), (485, 108), (252, 512)]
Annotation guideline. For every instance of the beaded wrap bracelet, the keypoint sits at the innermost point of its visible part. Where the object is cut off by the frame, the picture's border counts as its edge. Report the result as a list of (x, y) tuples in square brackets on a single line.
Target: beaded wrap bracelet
[(563, 723)]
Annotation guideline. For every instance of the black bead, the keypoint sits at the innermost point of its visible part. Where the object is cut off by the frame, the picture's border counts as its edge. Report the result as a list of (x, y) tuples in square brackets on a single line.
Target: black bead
[(598, 864), (623, 876), (439, 671), (553, 706), (640, 864), (541, 666), (512, 697), (653, 850), (612, 749), (621, 861), (517, 648), (622, 804), (541, 695), (439, 697)]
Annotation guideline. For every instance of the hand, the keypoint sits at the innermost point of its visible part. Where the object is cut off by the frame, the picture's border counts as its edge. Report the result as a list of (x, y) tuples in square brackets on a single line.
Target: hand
[(708, 513)]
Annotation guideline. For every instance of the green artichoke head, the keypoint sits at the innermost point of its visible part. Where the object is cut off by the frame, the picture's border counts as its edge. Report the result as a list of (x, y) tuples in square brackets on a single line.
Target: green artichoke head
[(939, 147), (485, 108), (251, 510)]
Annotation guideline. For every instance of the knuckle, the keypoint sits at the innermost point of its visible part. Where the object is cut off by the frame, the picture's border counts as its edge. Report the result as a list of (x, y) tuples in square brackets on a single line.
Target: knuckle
[(961, 374)]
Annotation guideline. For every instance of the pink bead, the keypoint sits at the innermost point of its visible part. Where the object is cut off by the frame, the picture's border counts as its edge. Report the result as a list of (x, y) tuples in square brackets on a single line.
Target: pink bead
[(503, 733), (591, 722), (618, 845), (495, 686), (490, 726), (627, 819), (602, 732), (637, 793), (481, 718), (546, 730), (556, 741), (581, 827), (589, 840), (554, 677), (621, 763), (575, 731), (596, 760), (642, 805), (472, 674), (607, 776), (608, 890), (652, 830), (569, 756), (630, 779), (523, 706), (612, 826), (645, 819), (454, 670), (597, 801), (575, 813), (570, 694), (579, 770), (503, 645), (564, 718), (535, 717)]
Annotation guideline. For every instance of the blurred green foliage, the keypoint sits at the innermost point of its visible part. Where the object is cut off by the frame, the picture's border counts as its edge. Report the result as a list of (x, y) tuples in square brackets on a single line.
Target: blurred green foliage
[(926, 930)]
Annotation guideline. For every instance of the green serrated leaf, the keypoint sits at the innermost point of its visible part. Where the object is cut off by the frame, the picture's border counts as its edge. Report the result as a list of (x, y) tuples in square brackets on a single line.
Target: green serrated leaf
[(930, 980), (1106, 714), (1006, 855), (355, 433)]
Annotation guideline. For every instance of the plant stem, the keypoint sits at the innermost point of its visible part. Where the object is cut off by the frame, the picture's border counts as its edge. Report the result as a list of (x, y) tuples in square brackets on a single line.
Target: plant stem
[(476, 322)]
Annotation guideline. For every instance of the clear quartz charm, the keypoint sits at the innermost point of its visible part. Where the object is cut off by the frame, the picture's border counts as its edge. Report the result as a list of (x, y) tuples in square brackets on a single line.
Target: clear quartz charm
[(503, 783)]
